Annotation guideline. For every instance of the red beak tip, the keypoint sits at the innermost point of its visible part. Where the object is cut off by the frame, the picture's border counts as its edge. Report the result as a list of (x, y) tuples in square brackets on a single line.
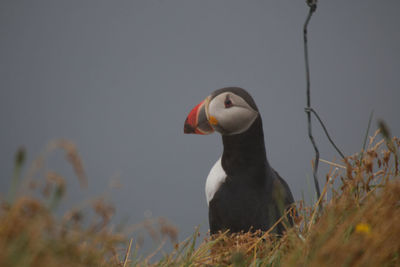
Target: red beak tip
[(192, 121)]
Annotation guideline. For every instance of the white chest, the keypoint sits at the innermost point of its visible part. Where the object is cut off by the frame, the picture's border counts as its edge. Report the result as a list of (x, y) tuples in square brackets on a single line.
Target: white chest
[(215, 179)]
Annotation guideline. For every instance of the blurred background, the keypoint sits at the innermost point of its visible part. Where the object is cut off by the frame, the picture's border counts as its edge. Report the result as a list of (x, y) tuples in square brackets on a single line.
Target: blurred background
[(118, 78)]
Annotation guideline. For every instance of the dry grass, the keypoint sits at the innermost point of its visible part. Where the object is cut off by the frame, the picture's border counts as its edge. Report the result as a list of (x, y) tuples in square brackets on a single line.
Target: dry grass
[(358, 225), (30, 233)]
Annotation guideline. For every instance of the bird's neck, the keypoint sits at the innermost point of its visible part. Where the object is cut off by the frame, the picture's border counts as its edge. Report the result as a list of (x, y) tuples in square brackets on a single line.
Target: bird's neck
[(245, 152)]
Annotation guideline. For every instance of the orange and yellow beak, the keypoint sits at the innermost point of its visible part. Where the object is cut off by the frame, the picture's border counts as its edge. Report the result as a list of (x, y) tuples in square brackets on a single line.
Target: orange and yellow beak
[(197, 122)]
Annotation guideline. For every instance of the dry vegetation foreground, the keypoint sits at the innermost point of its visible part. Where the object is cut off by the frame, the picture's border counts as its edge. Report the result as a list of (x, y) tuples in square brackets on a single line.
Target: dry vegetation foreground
[(358, 224)]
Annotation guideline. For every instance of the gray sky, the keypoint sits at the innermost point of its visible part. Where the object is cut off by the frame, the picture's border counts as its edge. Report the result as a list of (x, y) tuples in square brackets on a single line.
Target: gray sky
[(119, 77)]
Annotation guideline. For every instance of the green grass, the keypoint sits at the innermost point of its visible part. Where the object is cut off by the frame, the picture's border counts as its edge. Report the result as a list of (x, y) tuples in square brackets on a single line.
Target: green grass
[(358, 225)]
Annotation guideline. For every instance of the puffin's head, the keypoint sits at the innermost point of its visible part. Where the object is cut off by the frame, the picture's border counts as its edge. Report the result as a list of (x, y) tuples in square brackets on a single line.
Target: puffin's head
[(228, 110)]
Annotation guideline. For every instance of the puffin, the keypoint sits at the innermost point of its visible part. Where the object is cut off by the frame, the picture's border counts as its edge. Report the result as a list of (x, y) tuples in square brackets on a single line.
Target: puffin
[(244, 193)]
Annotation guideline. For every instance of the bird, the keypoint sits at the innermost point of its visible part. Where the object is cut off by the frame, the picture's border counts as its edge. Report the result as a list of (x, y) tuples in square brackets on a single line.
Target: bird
[(244, 193)]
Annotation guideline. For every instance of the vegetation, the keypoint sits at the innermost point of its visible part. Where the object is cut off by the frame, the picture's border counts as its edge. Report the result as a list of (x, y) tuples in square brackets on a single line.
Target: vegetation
[(357, 224)]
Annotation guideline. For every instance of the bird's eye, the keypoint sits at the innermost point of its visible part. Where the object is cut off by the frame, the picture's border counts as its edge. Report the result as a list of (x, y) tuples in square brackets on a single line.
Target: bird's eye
[(228, 103)]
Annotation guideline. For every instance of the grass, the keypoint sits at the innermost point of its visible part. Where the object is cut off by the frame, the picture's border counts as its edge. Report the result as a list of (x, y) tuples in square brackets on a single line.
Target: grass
[(358, 224)]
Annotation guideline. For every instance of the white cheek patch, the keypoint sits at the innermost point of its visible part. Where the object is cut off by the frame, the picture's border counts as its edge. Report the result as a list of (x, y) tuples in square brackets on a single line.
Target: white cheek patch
[(232, 120), (215, 179), (237, 119)]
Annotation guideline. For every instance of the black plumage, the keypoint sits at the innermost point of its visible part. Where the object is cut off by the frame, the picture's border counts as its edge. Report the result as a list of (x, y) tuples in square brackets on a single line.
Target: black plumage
[(252, 196)]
